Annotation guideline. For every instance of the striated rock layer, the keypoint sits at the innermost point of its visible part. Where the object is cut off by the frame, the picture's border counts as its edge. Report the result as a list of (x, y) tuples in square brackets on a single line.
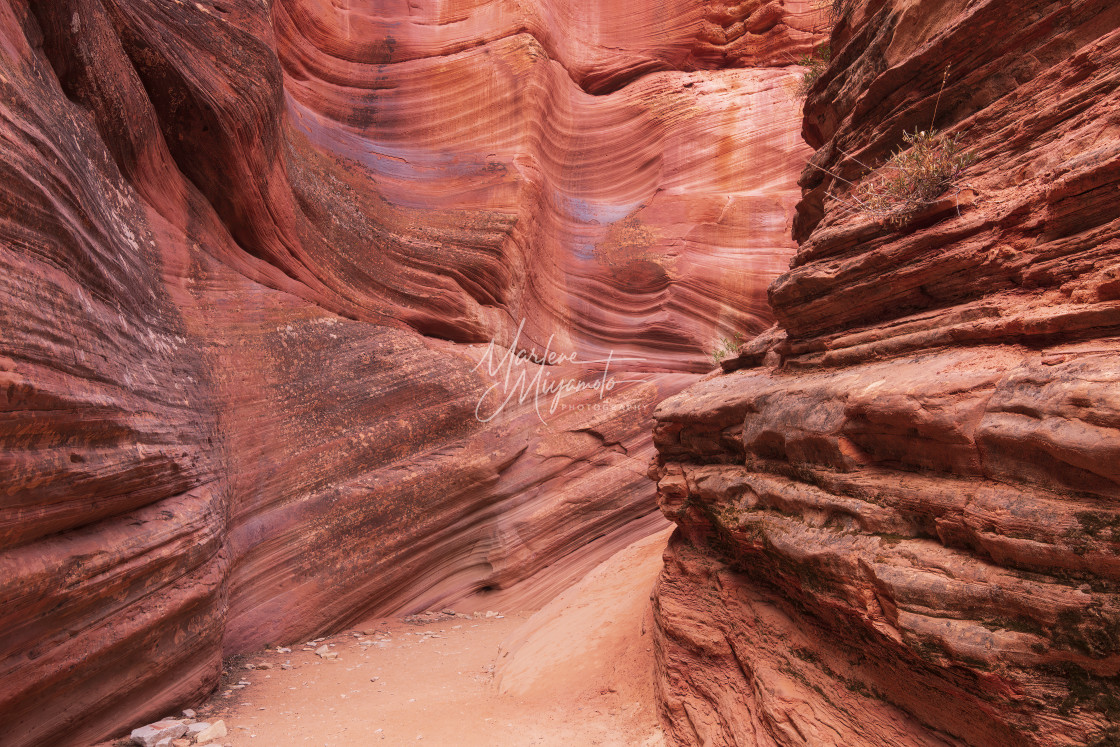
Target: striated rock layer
[(898, 517), (251, 258)]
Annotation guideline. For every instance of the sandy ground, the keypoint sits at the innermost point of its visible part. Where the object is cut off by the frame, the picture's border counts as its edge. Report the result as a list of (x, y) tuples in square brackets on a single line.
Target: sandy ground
[(577, 672)]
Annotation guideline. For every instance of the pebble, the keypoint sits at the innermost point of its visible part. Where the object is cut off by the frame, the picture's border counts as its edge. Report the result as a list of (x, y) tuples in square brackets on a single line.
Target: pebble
[(325, 653)]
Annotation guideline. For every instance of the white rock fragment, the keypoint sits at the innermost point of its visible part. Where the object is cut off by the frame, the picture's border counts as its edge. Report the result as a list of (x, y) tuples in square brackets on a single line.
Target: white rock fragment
[(216, 730), (196, 727), (161, 731)]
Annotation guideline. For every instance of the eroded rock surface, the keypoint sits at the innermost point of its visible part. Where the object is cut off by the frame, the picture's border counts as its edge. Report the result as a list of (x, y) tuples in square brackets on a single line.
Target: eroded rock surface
[(898, 510), (251, 256)]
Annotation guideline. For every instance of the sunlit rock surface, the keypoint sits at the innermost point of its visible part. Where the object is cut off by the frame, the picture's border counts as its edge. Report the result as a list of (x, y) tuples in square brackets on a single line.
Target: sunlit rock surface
[(898, 510), (251, 258)]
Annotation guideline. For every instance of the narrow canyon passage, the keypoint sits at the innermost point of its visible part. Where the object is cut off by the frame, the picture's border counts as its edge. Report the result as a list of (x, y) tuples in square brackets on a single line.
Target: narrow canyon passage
[(262, 263), (755, 362)]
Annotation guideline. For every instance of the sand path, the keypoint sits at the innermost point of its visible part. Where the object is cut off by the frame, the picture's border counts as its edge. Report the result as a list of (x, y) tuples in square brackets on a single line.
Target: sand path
[(577, 672)]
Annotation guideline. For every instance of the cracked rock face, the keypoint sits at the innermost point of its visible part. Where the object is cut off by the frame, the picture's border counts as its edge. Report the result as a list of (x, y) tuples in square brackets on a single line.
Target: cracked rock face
[(251, 257), (898, 512)]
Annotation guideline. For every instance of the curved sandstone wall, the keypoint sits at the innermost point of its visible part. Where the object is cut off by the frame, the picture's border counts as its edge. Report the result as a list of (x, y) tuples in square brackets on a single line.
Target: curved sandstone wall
[(898, 508), (251, 257)]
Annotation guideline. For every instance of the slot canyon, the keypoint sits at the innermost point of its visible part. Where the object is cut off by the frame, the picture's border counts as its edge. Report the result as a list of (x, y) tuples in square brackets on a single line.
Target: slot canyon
[(569, 339)]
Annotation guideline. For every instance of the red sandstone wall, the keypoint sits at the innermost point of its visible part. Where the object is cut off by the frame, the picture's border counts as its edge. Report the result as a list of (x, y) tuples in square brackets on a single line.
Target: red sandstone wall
[(897, 510), (250, 255)]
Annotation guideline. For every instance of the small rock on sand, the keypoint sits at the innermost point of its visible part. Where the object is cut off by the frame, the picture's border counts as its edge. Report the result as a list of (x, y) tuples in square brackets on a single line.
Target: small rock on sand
[(216, 730), (160, 731)]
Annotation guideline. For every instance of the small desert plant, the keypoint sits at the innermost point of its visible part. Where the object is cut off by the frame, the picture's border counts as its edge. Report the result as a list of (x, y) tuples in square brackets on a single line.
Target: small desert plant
[(828, 14), (914, 177), (726, 347), (815, 64)]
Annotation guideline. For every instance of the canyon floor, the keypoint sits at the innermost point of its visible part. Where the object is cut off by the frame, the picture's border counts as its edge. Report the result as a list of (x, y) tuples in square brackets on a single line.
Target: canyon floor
[(576, 672)]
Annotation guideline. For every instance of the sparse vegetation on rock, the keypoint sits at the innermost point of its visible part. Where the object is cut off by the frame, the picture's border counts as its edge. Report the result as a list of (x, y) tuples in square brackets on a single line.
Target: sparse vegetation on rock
[(815, 65), (726, 347), (915, 177), (911, 179)]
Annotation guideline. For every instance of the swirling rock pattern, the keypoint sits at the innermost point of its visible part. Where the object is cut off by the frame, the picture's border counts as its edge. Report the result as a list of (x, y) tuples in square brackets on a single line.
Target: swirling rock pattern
[(251, 257), (898, 509), (644, 221)]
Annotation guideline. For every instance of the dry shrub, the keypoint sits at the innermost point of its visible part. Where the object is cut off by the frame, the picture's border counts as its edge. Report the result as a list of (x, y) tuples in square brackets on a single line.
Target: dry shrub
[(913, 178)]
